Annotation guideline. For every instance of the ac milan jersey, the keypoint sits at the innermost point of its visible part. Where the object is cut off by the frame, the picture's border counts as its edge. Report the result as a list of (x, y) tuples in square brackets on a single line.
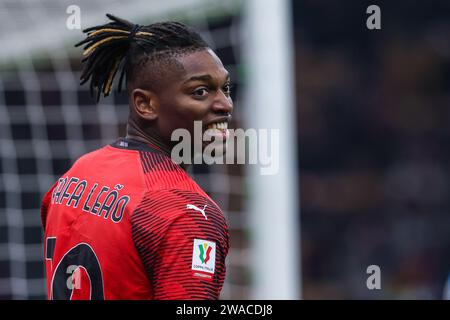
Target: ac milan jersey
[(125, 222)]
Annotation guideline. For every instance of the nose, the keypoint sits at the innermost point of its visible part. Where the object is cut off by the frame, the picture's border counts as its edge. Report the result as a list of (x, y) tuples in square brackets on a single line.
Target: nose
[(222, 103)]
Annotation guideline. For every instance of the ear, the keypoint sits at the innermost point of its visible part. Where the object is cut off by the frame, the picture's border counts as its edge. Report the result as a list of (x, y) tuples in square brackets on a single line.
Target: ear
[(145, 103)]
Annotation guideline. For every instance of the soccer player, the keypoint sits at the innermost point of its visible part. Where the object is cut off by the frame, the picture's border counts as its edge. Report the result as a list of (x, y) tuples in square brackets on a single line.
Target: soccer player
[(125, 221)]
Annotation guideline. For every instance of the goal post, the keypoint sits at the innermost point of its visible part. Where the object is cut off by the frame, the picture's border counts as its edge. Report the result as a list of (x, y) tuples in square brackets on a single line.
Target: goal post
[(274, 199)]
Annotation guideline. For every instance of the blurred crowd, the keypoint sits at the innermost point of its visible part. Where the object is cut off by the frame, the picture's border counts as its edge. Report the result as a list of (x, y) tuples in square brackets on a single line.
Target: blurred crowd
[(373, 115)]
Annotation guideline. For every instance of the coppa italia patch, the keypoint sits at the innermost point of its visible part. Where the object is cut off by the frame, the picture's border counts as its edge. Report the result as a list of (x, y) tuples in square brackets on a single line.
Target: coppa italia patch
[(204, 258)]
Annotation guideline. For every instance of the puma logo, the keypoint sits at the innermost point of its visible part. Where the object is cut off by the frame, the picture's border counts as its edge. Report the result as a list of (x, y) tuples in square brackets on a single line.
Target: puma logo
[(191, 206)]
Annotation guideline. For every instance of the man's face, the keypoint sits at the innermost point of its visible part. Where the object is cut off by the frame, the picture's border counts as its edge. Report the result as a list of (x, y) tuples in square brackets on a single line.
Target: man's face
[(200, 91)]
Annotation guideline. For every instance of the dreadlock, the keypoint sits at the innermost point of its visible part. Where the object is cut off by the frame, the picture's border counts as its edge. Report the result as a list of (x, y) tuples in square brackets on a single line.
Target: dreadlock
[(122, 45)]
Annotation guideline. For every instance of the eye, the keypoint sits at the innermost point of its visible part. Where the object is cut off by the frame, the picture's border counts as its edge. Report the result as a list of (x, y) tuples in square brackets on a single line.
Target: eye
[(200, 92)]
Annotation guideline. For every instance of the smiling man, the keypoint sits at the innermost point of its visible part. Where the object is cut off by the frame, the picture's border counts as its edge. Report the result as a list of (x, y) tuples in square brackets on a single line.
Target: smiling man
[(125, 221)]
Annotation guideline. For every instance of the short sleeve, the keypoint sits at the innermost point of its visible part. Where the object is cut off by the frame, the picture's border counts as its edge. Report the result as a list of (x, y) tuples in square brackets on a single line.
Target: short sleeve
[(182, 239)]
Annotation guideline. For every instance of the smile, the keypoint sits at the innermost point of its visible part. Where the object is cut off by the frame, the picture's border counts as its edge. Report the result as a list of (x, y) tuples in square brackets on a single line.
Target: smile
[(218, 125)]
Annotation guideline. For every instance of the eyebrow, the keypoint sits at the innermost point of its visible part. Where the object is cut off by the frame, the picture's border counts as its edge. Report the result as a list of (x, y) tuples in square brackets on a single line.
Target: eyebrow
[(205, 78)]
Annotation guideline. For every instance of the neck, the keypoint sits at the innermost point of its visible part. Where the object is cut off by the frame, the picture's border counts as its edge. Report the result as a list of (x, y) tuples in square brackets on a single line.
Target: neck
[(135, 132)]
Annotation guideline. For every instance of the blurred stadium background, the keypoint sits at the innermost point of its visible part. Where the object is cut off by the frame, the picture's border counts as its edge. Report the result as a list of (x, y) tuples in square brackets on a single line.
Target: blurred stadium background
[(368, 135), (373, 116)]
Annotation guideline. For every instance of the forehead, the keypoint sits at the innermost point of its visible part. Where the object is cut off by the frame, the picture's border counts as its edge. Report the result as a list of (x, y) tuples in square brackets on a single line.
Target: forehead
[(202, 63)]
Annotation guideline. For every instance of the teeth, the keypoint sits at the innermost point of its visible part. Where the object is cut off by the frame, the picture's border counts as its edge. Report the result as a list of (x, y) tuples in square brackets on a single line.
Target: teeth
[(220, 125)]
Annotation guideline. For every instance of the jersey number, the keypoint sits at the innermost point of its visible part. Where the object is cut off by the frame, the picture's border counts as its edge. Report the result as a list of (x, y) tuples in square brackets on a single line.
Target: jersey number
[(78, 261)]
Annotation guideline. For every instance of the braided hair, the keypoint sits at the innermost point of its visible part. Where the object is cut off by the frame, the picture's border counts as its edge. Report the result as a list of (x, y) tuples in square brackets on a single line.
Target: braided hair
[(125, 46)]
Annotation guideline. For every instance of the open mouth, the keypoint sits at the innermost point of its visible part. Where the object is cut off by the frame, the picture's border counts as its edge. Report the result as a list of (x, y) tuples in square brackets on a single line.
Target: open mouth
[(217, 130), (218, 126)]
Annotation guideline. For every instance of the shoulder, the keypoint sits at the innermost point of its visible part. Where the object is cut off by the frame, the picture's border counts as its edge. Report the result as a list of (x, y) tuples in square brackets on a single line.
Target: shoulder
[(170, 203), (109, 165), (105, 152), (92, 154), (162, 173), (195, 212), (88, 159)]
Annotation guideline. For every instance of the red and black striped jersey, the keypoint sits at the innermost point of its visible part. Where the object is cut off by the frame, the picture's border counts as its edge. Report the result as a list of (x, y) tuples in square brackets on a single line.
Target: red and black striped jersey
[(126, 222)]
